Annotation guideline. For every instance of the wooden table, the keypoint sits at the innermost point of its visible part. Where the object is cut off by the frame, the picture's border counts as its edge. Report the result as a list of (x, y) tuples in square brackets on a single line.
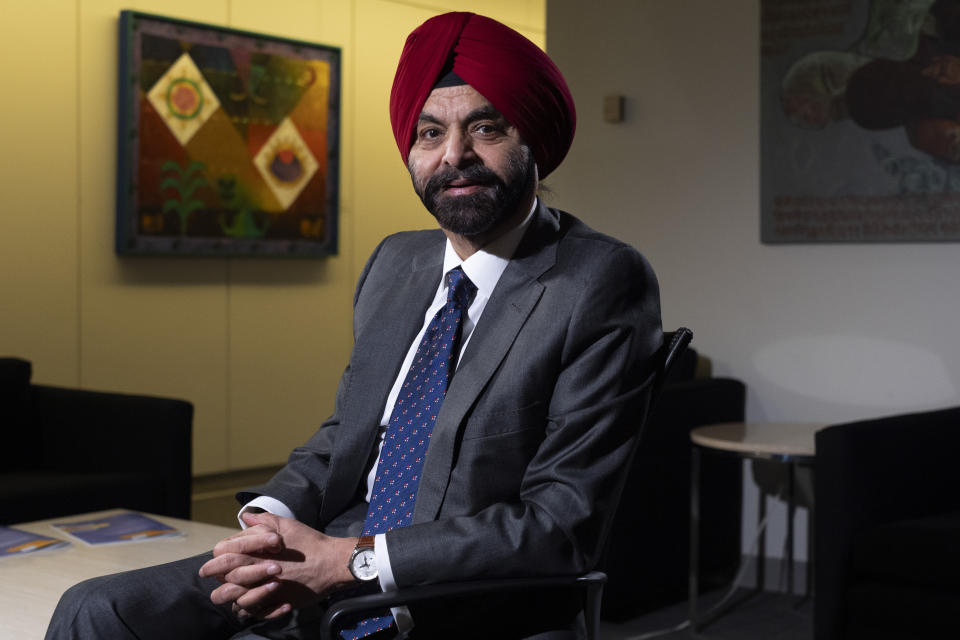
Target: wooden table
[(791, 443), (31, 584)]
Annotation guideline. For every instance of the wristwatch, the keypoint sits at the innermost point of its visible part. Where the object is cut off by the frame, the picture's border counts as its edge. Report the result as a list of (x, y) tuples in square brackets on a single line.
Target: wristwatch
[(363, 561)]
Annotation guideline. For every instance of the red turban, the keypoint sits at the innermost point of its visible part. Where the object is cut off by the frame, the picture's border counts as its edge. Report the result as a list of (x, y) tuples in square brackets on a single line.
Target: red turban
[(514, 74)]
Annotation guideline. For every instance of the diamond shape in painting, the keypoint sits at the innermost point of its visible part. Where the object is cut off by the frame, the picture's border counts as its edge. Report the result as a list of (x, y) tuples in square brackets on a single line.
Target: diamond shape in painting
[(183, 98), (285, 162)]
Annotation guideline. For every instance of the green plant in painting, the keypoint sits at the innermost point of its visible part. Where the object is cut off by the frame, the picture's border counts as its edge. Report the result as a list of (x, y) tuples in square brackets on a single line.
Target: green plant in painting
[(243, 223), (186, 182)]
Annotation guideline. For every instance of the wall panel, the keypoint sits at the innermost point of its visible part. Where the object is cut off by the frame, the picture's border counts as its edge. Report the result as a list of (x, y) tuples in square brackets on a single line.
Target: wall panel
[(38, 171)]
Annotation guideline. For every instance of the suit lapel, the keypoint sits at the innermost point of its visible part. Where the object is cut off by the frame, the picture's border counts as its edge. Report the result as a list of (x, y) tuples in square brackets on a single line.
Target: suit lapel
[(380, 348), (513, 299)]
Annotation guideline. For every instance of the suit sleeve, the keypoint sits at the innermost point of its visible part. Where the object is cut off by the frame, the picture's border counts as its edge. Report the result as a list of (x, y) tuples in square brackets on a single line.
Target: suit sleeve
[(599, 354)]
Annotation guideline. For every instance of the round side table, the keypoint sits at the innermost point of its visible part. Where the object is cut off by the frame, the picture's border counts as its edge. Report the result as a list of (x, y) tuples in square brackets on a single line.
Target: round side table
[(790, 443)]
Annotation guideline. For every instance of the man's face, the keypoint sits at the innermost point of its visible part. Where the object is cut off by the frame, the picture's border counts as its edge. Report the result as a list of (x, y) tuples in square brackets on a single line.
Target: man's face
[(468, 164)]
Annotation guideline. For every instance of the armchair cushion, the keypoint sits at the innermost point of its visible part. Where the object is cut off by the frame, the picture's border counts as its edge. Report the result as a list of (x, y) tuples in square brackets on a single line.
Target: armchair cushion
[(922, 551), (35, 495), (875, 611)]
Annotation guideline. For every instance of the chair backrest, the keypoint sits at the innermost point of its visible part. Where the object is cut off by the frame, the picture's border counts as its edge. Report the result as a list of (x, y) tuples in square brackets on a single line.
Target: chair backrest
[(674, 344), (21, 440)]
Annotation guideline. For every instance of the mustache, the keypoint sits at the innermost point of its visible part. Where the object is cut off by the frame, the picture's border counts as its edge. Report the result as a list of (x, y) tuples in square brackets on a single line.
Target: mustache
[(476, 173)]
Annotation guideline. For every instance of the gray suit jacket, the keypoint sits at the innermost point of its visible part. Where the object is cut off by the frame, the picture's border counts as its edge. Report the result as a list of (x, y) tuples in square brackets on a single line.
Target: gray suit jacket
[(539, 422)]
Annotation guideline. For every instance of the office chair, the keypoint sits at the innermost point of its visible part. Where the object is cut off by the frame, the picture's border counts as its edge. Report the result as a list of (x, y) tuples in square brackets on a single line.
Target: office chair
[(346, 612)]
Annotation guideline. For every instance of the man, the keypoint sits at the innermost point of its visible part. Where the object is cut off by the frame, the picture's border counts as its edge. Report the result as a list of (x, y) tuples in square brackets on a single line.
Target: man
[(500, 369)]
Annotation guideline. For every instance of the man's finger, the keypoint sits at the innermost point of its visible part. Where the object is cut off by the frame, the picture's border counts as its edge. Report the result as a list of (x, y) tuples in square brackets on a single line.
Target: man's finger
[(253, 574), (221, 565), (281, 610), (266, 614), (256, 599), (264, 518), (228, 592), (251, 531), (264, 542)]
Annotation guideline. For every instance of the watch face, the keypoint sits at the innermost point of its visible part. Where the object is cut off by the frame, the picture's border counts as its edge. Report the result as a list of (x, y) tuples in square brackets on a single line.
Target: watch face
[(364, 564)]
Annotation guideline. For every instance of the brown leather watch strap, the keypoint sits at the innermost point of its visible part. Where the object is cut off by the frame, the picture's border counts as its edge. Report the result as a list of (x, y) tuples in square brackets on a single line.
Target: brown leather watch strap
[(365, 542)]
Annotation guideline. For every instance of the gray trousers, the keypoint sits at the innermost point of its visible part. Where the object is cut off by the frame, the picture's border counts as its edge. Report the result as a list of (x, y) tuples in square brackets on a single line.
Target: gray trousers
[(162, 602)]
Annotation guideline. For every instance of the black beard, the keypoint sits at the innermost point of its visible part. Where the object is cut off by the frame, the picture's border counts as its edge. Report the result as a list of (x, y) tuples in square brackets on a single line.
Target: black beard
[(478, 213)]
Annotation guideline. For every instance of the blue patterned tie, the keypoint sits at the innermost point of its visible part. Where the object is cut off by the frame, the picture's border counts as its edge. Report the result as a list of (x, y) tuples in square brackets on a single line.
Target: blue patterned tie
[(411, 425)]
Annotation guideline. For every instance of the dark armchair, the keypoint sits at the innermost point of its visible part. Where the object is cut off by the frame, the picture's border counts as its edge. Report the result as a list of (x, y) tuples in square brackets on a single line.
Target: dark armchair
[(69, 451), (887, 557)]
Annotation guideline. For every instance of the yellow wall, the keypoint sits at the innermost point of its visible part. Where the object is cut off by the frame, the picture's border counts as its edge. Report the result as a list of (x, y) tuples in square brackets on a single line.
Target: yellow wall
[(256, 345)]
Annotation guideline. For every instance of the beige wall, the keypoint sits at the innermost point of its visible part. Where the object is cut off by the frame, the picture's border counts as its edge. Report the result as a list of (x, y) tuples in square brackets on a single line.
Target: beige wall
[(822, 333), (256, 345)]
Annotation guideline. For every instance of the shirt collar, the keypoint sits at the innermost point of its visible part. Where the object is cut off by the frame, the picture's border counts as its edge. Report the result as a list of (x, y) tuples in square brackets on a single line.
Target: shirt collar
[(485, 267)]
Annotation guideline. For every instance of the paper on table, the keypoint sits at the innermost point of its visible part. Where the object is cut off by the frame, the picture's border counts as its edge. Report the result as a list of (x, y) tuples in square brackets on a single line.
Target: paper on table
[(116, 528), (14, 542)]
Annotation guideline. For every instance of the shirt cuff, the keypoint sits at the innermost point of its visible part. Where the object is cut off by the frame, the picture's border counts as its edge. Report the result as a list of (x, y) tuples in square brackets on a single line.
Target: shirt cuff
[(270, 505), (400, 614)]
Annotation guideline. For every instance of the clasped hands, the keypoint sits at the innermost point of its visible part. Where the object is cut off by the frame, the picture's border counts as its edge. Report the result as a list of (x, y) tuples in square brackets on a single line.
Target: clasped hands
[(276, 565)]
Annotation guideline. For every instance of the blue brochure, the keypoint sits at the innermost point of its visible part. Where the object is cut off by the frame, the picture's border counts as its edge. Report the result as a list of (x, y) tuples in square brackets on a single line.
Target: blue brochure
[(15, 542), (120, 527)]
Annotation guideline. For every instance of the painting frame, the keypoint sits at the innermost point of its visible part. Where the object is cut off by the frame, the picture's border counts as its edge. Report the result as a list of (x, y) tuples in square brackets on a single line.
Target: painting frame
[(857, 129), (228, 142)]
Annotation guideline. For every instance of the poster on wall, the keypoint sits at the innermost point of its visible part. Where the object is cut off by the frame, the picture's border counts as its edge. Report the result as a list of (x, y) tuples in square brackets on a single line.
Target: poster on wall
[(860, 120), (228, 142)]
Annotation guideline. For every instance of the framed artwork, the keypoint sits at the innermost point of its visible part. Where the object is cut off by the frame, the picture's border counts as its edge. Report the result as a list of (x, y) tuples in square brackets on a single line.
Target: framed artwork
[(228, 142), (860, 121)]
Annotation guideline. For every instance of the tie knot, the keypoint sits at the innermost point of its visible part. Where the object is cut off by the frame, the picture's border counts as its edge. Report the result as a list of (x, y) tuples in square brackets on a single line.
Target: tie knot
[(460, 288)]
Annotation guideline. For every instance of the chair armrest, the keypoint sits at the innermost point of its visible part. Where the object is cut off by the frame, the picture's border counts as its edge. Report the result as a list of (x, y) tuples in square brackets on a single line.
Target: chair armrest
[(84, 430), (349, 610)]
